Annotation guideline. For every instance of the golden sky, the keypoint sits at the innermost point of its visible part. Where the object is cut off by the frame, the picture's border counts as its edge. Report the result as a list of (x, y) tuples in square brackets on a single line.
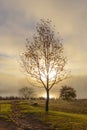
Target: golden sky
[(18, 19)]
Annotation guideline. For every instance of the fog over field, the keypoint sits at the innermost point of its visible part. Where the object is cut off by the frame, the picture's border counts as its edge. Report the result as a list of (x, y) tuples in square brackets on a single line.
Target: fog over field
[(12, 84)]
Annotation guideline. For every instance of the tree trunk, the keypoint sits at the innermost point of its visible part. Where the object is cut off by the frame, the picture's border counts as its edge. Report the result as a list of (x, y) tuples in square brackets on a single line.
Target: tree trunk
[(47, 101)]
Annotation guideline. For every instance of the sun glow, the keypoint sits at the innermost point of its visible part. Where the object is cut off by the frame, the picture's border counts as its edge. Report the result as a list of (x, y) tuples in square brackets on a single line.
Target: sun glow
[(50, 96), (51, 74)]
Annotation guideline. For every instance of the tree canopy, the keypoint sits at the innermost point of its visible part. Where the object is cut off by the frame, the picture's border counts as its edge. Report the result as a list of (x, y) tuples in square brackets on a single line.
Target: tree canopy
[(67, 93)]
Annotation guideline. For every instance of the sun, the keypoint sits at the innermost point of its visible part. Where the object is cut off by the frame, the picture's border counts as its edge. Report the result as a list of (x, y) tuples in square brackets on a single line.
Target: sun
[(52, 75)]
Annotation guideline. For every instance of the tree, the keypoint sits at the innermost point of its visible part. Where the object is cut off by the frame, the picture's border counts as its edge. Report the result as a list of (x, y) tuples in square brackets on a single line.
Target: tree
[(26, 92), (67, 93), (43, 58)]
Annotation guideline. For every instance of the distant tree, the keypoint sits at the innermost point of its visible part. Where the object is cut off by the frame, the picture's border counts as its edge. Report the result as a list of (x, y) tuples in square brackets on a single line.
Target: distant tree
[(26, 92), (0, 97), (67, 93), (43, 57)]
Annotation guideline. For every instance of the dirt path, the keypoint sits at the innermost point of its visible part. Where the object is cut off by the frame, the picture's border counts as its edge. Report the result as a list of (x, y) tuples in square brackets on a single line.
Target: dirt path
[(26, 123), (22, 122), (4, 125)]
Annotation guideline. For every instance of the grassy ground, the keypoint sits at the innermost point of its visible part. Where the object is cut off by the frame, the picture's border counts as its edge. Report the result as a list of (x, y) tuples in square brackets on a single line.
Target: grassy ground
[(56, 119), (62, 115), (78, 106), (5, 110)]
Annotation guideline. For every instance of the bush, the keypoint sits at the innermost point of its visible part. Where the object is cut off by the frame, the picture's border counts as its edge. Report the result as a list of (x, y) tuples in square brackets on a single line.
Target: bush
[(67, 93)]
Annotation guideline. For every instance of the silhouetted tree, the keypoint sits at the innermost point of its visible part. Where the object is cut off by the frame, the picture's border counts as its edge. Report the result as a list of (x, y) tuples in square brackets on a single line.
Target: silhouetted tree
[(67, 93), (26, 92), (0, 97), (43, 58)]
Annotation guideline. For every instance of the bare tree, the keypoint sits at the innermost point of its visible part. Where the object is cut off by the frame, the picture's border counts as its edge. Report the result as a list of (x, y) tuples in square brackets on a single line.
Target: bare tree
[(43, 58), (26, 92)]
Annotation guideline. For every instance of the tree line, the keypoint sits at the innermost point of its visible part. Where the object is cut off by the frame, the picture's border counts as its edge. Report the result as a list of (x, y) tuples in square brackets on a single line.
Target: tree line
[(27, 93)]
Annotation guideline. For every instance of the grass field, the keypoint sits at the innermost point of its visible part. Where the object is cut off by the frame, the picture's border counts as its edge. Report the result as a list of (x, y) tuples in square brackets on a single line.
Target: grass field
[(62, 115)]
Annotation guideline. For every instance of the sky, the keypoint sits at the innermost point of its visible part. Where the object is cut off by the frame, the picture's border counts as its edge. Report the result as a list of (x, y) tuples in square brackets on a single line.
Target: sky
[(18, 19)]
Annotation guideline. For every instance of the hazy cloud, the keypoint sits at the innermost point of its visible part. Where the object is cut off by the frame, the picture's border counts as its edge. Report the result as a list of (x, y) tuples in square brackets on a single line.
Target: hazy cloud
[(17, 22)]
